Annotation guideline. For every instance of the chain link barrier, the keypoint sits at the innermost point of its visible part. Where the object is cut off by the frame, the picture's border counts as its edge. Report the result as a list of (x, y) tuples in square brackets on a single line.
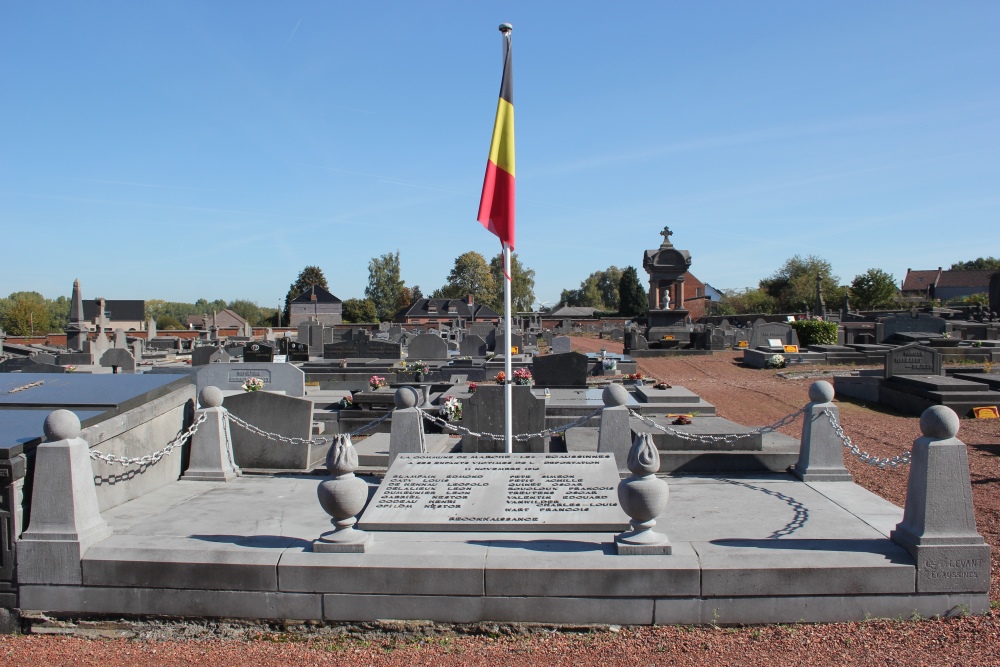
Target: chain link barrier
[(523, 437), (277, 437), (729, 438), (154, 458), (894, 462)]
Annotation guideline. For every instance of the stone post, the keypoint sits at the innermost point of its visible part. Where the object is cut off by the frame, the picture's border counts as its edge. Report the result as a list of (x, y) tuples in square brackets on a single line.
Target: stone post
[(13, 464), (65, 519), (343, 496), (821, 455), (212, 458), (643, 496), (615, 432), (939, 522), (407, 433)]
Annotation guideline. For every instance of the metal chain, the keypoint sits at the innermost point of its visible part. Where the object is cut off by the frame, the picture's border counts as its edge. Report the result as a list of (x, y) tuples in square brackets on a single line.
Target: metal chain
[(277, 437), (896, 461), (150, 459), (729, 438), (523, 437)]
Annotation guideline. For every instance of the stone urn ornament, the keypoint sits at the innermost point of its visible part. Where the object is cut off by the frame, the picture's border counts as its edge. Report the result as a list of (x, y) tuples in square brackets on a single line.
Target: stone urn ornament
[(343, 496), (643, 497)]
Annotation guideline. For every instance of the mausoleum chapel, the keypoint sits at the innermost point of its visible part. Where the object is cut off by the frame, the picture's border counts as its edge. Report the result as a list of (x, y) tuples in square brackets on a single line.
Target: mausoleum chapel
[(347, 473)]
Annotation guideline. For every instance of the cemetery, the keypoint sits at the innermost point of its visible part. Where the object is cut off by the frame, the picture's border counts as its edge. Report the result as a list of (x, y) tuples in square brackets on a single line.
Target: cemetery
[(348, 474)]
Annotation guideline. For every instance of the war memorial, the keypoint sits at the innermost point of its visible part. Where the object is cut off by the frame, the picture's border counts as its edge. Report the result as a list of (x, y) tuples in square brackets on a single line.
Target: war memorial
[(347, 474)]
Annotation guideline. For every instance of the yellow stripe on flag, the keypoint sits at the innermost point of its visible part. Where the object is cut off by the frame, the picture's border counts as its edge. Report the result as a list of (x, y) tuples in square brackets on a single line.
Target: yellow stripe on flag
[(502, 148)]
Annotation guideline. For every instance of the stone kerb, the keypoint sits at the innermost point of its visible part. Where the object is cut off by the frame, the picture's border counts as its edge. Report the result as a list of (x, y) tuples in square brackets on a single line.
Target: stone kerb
[(64, 519), (615, 432), (407, 432), (212, 457), (821, 454), (939, 522)]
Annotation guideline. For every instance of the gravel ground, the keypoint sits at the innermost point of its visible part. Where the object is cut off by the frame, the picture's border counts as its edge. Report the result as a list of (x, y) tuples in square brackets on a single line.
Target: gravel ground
[(748, 396)]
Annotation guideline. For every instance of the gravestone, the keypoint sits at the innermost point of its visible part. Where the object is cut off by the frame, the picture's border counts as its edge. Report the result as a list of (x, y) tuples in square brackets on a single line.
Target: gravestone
[(473, 346), (230, 377), (427, 346), (568, 369), (275, 413), (717, 340), (258, 353), (617, 334), (363, 348), (28, 365), (293, 350), (120, 339), (912, 360), (765, 331), (119, 358), (910, 323), (220, 356), (516, 340), (562, 344), (483, 412), (498, 492)]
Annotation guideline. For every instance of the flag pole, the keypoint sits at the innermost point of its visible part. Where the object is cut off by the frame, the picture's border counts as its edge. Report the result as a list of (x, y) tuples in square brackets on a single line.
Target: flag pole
[(508, 402)]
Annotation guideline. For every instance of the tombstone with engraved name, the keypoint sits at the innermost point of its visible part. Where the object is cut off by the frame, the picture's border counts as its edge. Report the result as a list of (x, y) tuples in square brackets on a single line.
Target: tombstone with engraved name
[(892, 328), (562, 345), (716, 339), (118, 359), (473, 346), (483, 412), (258, 352), (568, 369), (202, 354), (765, 333), (427, 346), (912, 359), (516, 340)]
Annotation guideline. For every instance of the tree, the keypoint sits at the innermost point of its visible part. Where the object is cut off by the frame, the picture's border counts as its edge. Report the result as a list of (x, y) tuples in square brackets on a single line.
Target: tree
[(246, 309), (873, 289), (522, 284), (470, 275), (384, 284), (309, 276), (404, 299), (978, 264), (632, 298), (58, 313), (25, 314), (416, 294), (751, 300), (793, 286), (169, 323), (598, 290), (360, 310)]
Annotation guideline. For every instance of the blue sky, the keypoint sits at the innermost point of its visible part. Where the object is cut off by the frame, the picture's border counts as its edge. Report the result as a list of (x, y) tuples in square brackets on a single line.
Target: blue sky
[(179, 150)]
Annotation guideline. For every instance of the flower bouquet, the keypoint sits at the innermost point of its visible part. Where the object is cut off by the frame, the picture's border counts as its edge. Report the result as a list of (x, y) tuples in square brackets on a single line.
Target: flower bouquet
[(500, 378), (417, 366), (633, 376), (777, 361), (346, 402), (610, 364), (253, 384), (472, 387), (377, 382), (451, 409), (523, 376)]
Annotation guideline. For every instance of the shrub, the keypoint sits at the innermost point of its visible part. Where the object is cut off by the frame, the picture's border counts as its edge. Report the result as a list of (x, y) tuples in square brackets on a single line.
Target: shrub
[(815, 332)]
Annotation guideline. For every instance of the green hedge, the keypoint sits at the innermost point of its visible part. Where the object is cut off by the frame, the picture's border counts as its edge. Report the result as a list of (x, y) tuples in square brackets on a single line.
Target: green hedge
[(815, 332)]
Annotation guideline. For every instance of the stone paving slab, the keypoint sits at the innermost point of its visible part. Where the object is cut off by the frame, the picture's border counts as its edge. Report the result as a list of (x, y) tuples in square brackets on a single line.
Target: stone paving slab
[(797, 550)]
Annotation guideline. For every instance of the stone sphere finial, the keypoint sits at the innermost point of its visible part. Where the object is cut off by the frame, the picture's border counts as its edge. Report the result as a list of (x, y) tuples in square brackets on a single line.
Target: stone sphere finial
[(405, 397), (939, 422), (821, 391), (61, 425), (614, 395), (210, 397), (343, 496)]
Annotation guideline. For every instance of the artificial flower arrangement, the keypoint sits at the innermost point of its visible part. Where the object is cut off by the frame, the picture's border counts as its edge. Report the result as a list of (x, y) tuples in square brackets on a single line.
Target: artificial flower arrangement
[(418, 366), (633, 376), (661, 385), (523, 376), (777, 361), (610, 364), (70, 369), (682, 420), (253, 384), (451, 409), (472, 387), (347, 402), (500, 378), (377, 382)]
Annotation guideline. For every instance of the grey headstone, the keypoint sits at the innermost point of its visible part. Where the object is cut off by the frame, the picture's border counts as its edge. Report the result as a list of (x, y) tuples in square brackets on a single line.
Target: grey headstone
[(473, 345), (275, 413), (427, 346), (562, 344), (484, 412), (276, 377), (202, 355), (912, 360), (909, 323), (568, 369), (119, 357), (762, 333)]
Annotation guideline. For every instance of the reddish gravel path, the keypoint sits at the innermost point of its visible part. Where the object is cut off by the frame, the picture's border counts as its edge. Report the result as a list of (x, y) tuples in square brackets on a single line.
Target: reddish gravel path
[(748, 396)]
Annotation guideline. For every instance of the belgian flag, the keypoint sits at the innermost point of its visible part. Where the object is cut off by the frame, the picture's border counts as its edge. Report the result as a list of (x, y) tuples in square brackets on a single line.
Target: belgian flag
[(496, 207)]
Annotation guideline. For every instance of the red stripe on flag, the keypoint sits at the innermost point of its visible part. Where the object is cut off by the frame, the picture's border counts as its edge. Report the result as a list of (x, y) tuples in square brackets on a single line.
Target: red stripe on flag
[(496, 208)]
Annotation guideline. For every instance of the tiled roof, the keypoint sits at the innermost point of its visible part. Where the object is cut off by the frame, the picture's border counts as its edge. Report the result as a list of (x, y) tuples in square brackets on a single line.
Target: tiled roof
[(444, 307), (919, 281), (965, 278), (322, 296)]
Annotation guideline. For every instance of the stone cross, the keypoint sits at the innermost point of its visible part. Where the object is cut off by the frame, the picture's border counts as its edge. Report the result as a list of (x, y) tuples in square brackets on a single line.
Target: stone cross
[(666, 234)]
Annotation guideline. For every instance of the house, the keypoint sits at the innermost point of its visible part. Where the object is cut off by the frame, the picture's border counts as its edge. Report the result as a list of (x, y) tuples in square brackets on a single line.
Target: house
[(127, 314), (224, 319), (698, 295), (316, 303), (945, 285), (446, 311)]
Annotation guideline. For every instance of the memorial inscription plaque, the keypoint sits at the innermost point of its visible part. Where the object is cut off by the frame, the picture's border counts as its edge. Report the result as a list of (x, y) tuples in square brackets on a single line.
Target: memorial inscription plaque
[(498, 492)]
